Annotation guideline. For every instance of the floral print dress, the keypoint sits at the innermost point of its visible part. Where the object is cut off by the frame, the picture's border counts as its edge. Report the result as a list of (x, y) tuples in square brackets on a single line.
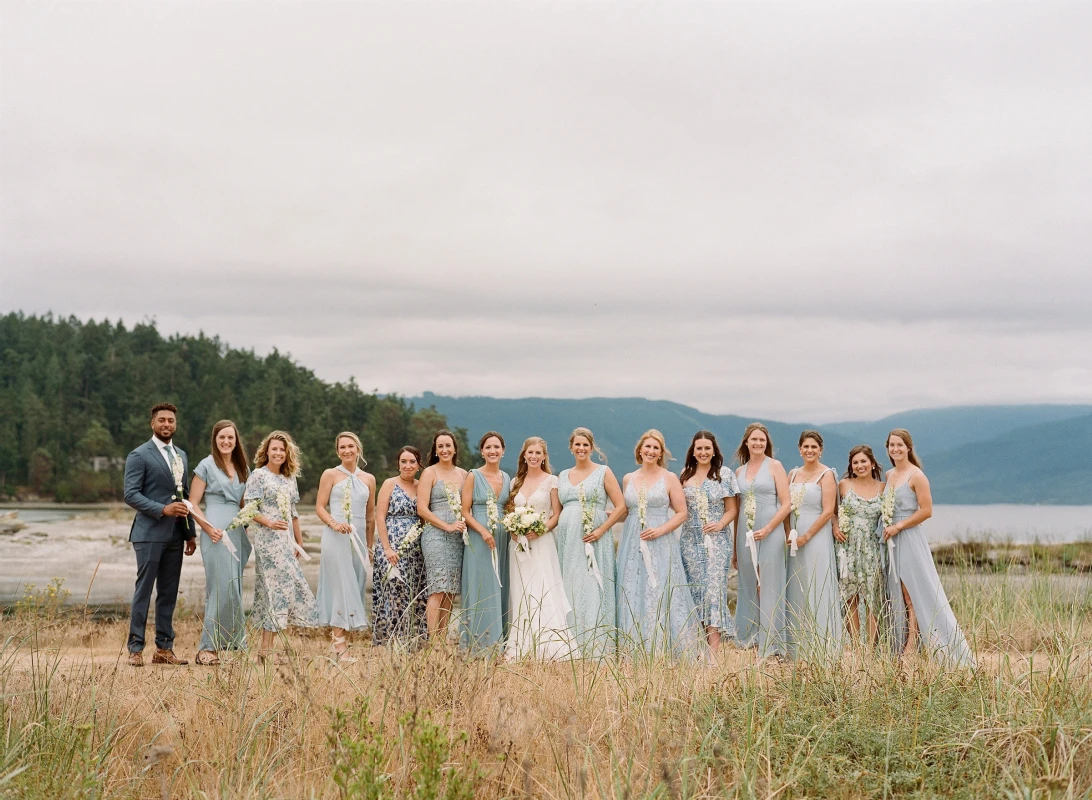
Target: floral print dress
[(281, 594), (399, 605), (707, 570), (861, 556)]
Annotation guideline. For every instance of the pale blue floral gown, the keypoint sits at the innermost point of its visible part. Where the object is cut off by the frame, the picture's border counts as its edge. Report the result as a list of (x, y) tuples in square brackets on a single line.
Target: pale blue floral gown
[(814, 605), (593, 607), (343, 577), (707, 571), (760, 614), (443, 551), (483, 618), (655, 616), (281, 594), (913, 567), (225, 625), (862, 557)]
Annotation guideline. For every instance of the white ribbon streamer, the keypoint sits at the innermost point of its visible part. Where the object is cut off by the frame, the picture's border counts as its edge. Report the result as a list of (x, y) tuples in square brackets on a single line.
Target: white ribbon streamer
[(793, 547), (395, 574), (298, 548), (708, 542), (749, 543), (523, 549), (358, 546), (891, 560), (224, 538), (593, 564), (646, 554), (496, 566)]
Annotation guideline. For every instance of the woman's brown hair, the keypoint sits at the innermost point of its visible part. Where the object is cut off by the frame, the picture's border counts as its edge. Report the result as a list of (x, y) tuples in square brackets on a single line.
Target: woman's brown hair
[(587, 434), (238, 453), (743, 453), (690, 464), (911, 456), (435, 459), (521, 469), (877, 471)]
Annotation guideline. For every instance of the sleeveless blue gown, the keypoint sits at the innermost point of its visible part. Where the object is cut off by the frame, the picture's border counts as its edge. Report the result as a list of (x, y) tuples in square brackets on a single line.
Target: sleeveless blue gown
[(760, 614), (484, 603), (225, 626), (814, 604), (342, 575)]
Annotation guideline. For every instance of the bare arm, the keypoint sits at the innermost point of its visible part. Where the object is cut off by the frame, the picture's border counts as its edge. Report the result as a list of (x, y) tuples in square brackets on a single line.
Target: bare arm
[(614, 492), (424, 490), (369, 515), (382, 505), (731, 511), (678, 504), (325, 486), (297, 532), (920, 484), (781, 482), (555, 510), (468, 504), (197, 493)]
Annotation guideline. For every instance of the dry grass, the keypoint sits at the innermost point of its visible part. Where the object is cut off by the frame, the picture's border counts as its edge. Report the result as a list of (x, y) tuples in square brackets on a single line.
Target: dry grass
[(79, 723)]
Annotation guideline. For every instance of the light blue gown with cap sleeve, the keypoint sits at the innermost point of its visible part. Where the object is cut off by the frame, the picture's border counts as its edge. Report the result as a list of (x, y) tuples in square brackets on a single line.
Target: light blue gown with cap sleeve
[(814, 604), (225, 626), (912, 566), (342, 575)]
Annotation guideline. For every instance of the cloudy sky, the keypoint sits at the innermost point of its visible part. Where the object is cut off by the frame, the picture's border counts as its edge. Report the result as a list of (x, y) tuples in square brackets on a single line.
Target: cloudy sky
[(801, 212)]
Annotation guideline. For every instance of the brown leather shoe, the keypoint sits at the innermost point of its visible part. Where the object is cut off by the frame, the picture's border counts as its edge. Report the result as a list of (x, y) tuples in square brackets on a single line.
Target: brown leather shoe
[(168, 657), (136, 659)]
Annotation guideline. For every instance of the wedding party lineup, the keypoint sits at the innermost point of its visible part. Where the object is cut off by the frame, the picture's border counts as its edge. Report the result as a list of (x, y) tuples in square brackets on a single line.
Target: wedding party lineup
[(528, 566)]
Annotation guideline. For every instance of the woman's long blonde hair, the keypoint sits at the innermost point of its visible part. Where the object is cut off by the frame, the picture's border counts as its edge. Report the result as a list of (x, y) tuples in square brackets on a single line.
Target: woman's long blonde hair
[(521, 469), (665, 454), (291, 468), (360, 460)]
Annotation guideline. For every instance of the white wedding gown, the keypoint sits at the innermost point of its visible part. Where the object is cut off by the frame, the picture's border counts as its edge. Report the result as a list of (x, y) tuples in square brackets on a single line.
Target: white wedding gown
[(541, 617)]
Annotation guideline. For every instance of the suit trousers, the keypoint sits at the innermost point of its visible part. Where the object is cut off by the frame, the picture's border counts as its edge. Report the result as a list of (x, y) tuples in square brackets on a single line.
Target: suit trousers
[(159, 564)]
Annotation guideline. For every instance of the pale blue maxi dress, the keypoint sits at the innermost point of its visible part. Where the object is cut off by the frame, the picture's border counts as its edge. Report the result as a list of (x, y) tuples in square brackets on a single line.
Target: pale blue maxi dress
[(814, 604), (225, 624), (343, 576), (707, 571), (760, 614), (483, 618), (656, 614), (913, 567), (593, 607)]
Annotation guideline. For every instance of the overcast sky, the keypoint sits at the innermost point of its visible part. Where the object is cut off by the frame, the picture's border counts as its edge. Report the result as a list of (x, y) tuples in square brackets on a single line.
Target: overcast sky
[(800, 212)]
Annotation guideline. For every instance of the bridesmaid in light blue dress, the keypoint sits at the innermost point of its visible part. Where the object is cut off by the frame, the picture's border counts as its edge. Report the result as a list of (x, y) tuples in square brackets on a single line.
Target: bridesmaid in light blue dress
[(591, 597), (656, 613), (814, 604), (221, 480), (764, 492), (442, 539), (484, 614), (707, 542), (346, 540), (921, 615)]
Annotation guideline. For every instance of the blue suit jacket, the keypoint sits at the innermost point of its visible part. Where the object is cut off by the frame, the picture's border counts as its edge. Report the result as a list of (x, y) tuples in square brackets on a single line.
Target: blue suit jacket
[(149, 486)]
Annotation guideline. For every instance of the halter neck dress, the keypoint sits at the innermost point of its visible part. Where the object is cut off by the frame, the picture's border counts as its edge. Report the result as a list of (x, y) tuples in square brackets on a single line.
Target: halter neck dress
[(343, 577)]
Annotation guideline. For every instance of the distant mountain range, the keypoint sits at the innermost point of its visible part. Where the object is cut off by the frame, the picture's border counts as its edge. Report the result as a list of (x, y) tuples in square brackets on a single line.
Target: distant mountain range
[(973, 454)]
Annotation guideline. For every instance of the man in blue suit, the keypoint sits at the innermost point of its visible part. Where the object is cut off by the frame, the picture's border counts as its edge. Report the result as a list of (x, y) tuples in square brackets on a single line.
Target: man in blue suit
[(156, 482)]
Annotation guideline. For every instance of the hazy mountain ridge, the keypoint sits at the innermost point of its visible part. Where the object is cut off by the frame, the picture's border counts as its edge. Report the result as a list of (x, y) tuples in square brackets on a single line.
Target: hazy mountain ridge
[(973, 454)]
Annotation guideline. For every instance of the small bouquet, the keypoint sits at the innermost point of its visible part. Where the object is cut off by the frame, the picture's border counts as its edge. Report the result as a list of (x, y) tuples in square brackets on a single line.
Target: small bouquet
[(347, 512), (843, 516), (703, 518), (750, 511), (245, 516), (796, 497), (455, 503), (522, 521), (646, 552), (407, 543), (887, 514), (177, 472), (492, 517), (587, 519), (284, 509)]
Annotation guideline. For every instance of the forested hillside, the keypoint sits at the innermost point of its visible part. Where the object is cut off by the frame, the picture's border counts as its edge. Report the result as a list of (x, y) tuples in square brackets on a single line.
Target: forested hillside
[(74, 399)]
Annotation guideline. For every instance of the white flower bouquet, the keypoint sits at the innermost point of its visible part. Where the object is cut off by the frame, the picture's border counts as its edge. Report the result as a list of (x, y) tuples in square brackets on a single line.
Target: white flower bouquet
[(646, 551), (587, 520), (796, 497), (407, 544), (455, 503)]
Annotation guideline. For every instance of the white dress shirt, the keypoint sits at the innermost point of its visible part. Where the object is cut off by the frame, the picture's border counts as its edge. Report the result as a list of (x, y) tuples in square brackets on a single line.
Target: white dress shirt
[(163, 451)]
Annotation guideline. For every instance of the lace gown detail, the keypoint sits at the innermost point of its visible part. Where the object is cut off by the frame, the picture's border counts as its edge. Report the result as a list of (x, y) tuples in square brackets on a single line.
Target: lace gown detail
[(541, 616), (707, 569), (656, 614), (399, 605), (593, 607), (343, 577), (443, 551)]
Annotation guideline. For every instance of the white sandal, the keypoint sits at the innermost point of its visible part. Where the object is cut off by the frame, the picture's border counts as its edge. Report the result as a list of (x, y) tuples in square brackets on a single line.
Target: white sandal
[(343, 655)]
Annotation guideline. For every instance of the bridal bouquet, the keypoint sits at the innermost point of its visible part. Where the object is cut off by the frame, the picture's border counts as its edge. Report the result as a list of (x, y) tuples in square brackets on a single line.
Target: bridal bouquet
[(407, 543), (524, 520), (455, 503), (587, 520)]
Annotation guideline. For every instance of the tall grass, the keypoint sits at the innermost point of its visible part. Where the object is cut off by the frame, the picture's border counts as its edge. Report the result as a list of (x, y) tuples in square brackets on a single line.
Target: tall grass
[(77, 722)]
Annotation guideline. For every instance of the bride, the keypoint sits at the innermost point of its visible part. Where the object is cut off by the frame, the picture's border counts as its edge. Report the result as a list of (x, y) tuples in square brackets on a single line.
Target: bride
[(540, 612)]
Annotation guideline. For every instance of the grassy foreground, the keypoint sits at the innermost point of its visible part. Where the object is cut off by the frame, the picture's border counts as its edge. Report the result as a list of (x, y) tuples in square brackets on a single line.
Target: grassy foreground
[(77, 722)]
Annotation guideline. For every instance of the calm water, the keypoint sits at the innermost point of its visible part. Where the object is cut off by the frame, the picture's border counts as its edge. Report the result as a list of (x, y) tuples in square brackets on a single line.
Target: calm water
[(1016, 524)]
